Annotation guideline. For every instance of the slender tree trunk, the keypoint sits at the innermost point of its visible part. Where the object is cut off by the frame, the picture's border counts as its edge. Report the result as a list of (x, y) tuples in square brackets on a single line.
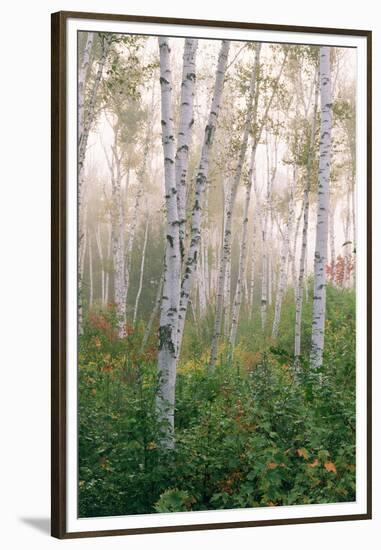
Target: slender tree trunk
[(303, 253), (98, 240), (91, 295), (332, 241), (167, 356), (284, 256), (85, 121), (266, 214), (132, 232), (226, 248), (295, 242), (264, 292), (270, 272), (227, 300), (354, 236), (184, 134), (154, 314), (201, 180), (82, 78), (253, 247), (319, 297), (253, 262), (201, 292), (347, 243), (243, 248), (118, 240), (108, 254), (241, 269), (141, 177), (141, 273)]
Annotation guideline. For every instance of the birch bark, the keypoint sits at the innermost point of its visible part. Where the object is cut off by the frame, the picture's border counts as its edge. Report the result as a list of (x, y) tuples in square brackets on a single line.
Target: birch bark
[(167, 356), (226, 248), (303, 252), (91, 295), (118, 239), (98, 240), (184, 134), (141, 273), (85, 121), (243, 247), (332, 240), (153, 315), (284, 256), (319, 296), (201, 180)]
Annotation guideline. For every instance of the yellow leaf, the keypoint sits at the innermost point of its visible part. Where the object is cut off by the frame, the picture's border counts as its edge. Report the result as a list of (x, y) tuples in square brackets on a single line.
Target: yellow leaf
[(303, 452), (330, 467)]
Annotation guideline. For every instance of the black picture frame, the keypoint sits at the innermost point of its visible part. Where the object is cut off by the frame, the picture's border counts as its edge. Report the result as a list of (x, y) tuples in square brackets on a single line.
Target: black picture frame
[(59, 273)]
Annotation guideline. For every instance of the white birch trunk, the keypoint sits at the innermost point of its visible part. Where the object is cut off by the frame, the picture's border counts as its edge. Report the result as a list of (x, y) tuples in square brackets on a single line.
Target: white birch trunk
[(319, 296), (243, 247), (141, 177), (167, 356), (227, 237), (118, 241), (332, 241), (227, 299), (153, 315), (347, 243), (85, 121), (132, 232), (241, 267), (201, 180), (184, 135), (303, 253), (201, 286), (98, 240), (82, 78), (284, 256), (264, 291), (108, 255), (141, 273), (91, 294)]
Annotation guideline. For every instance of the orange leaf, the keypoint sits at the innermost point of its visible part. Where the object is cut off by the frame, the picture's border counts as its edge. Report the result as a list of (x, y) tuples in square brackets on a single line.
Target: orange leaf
[(303, 452), (272, 465), (313, 464), (330, 467)]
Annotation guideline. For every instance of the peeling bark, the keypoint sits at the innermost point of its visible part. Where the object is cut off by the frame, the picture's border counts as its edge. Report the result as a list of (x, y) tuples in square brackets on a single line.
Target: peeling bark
[(170, 303), (319, 296), (201, 180), (303, 252), (184, 134)]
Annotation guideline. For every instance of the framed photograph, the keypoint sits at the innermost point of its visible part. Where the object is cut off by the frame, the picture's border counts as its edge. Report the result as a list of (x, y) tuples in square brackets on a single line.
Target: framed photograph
[(211, 297)]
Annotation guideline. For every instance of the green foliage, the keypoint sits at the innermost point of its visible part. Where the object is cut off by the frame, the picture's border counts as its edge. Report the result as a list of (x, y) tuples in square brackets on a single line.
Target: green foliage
[(255, 432)]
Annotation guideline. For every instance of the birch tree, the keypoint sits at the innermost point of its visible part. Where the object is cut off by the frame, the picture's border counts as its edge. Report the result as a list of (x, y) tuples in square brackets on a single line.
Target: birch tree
[(243, 247), (167, 356), (284, 257), (319, 296), (201, 180), (228, 220), (184, 134), (85, 122), (306, 204), (142, 262), (118, 237)]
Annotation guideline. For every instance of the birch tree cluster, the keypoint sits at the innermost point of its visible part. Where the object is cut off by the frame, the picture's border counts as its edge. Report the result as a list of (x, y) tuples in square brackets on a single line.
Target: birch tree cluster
[(216, 225)]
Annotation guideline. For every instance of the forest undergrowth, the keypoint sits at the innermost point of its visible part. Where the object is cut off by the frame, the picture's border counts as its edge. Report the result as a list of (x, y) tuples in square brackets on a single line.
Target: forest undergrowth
[(258, 430)]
